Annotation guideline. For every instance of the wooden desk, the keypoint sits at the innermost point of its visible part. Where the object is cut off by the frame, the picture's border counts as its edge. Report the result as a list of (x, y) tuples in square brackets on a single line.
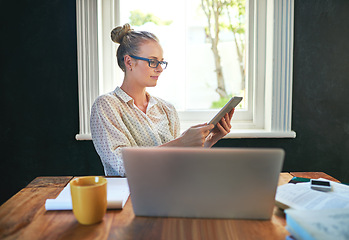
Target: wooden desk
[(24, 217)]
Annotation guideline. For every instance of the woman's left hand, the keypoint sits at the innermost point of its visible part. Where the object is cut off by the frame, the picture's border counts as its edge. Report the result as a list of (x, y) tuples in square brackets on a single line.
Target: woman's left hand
[(222, 128)]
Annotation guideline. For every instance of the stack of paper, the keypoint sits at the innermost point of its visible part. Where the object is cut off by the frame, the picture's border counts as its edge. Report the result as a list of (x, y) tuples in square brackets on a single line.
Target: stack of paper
[(117, 195), (313, 214), (318, 224)]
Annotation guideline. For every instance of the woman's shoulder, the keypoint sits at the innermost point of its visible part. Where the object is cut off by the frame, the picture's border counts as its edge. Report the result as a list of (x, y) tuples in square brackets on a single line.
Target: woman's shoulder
[(164, 103), (110, 97), (107, 100)]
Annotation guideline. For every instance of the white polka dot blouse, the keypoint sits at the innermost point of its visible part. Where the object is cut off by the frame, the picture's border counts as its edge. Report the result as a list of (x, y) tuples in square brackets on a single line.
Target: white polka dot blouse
[(116, 122)]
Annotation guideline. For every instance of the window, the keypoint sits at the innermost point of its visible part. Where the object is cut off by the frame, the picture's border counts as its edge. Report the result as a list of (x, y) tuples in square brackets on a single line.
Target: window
[(268, 94)]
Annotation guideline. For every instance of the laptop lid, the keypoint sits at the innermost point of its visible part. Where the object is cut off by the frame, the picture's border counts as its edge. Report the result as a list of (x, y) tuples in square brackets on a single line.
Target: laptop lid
[(238, 183)]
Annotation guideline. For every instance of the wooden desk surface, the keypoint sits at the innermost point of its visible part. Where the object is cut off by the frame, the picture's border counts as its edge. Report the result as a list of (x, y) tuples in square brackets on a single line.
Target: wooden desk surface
[(24, 217)]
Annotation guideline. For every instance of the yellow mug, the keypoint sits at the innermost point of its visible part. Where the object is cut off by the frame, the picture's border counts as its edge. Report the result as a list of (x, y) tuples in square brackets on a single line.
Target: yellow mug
[(89, 199)]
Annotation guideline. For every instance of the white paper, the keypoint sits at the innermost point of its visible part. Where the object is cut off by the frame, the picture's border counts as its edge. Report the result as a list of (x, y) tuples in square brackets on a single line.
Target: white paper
[(117, 195), (301, 196)]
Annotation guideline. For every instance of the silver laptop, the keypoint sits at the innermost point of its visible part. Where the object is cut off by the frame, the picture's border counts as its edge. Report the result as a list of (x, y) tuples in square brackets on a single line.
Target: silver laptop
[(236, 183)]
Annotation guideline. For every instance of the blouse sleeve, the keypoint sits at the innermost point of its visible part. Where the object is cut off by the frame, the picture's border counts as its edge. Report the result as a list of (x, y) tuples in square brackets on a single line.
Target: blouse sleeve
[(107, 137), (175, 123), (172, 115)]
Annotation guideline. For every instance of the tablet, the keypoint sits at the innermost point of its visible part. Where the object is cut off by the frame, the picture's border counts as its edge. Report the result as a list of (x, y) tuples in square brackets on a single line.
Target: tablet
[(233, 102)]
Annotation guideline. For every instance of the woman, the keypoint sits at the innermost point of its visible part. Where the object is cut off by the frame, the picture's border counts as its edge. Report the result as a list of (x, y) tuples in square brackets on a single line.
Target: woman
[(129, 116)]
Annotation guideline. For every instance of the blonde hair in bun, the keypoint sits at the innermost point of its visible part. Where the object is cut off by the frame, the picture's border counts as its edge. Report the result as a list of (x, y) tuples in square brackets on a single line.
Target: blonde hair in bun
[(129, 41), (118, 33)]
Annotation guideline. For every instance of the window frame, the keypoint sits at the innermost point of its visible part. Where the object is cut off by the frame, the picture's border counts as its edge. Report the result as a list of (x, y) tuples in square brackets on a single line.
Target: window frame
[(270, 68)]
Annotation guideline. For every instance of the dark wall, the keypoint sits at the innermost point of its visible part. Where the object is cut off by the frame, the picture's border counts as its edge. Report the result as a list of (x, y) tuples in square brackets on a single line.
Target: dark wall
[(39, 94)]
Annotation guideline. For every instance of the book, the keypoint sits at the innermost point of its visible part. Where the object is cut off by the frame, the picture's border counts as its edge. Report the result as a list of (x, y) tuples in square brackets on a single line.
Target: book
[(117, 195), (301, 196), (318, 224)]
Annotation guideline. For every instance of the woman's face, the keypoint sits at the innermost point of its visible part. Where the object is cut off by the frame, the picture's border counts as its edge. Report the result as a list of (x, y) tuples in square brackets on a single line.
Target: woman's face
[(144, 75)]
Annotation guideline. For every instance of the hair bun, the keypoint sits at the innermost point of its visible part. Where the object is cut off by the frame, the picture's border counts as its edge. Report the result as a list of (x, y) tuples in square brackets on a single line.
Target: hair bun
[(118, 33)]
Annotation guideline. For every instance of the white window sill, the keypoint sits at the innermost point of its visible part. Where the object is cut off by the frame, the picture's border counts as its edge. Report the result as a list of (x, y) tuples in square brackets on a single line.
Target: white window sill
[(82, 137), (256, 133), (235, 133)]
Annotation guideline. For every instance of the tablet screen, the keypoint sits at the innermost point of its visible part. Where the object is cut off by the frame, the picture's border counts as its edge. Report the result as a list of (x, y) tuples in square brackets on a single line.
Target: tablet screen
[(232, 103)]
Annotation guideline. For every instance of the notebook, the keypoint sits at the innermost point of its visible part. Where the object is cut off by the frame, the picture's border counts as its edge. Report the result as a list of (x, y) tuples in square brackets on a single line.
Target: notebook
[(117, 195), (235, 183)]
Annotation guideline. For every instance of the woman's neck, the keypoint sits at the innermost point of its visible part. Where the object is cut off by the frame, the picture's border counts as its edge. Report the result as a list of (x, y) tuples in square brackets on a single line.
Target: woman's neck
[(138, 94)]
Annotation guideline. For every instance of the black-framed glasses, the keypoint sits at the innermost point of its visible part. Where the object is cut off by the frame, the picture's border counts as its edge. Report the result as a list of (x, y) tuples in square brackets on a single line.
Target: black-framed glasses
[(153, 63)]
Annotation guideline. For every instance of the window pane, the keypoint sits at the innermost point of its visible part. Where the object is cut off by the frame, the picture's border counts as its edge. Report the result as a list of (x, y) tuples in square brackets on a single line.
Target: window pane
[(190, 80)]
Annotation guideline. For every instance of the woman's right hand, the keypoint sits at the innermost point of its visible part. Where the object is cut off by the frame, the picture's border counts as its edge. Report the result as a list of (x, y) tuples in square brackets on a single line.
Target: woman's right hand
[(195, 136)]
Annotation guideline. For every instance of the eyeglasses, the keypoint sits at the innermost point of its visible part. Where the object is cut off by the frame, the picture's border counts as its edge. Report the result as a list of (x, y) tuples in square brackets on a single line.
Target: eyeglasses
[(153, 63)]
